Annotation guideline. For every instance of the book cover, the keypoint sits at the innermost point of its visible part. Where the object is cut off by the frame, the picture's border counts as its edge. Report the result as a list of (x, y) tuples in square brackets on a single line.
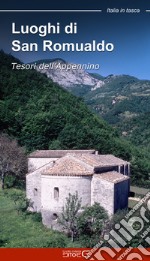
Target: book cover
[(74, 130)]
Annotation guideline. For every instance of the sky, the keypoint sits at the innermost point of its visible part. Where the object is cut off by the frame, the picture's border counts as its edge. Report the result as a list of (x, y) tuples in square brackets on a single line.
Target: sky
[(130, 33)]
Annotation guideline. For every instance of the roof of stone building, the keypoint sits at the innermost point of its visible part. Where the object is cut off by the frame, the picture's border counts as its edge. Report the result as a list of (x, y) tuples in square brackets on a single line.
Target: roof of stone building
[(69, 165), (81, 164), (112, 176), (56, 153), (100, 160)]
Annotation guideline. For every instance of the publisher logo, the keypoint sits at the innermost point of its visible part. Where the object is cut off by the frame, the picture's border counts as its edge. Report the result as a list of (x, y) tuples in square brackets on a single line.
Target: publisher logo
[(72, 254)]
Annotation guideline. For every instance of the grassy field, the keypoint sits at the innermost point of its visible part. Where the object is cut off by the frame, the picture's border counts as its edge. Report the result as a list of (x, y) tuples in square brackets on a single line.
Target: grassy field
[(138, 194), (20, 230), (26, 230), (139, 191)]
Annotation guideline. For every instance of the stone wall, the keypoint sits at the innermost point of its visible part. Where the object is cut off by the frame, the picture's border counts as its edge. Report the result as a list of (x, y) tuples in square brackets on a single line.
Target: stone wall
[(33, 190), (33, 187), (63, 185), (35, 163), (102, 191), (111, 196)]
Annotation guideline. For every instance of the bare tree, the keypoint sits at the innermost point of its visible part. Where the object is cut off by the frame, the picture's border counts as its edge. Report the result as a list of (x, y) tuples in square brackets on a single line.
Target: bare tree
[(13, 159)]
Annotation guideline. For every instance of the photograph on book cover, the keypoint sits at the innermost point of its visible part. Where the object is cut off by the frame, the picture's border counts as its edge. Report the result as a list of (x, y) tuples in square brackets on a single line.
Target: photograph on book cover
[(75, 128)]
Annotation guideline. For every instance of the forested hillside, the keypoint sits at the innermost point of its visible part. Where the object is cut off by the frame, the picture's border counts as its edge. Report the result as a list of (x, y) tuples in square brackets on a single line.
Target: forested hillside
[(124, 102), (42, 115)]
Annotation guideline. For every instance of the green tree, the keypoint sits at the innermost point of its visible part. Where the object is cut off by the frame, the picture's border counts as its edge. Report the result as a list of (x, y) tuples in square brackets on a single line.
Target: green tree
[(69, 216), (91, 223)]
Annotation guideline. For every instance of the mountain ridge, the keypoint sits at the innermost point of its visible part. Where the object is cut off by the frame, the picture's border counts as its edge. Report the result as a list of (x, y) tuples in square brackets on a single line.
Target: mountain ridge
[(121, 100), (67, 74)]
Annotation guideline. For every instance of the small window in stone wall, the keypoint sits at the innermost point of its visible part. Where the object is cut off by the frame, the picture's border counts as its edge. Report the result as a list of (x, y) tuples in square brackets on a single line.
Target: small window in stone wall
[(55, 216), (35, 191), (56, 193)]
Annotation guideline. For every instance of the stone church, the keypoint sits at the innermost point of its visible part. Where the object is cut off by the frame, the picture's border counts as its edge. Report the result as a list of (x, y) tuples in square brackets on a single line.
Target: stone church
[(53, 174)]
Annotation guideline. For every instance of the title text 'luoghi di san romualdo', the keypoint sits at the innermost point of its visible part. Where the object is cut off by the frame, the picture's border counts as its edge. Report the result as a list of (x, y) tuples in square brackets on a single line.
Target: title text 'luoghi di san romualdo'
[(49, 45)]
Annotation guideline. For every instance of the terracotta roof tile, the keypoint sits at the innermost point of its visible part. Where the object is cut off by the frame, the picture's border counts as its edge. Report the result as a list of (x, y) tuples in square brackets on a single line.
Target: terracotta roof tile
[(113, 176), (69, 165), (100, 160), (82, 164)]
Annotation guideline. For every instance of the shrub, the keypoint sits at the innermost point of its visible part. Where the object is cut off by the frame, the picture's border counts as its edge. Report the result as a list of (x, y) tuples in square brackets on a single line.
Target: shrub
[(10, 181), (37, 217)]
